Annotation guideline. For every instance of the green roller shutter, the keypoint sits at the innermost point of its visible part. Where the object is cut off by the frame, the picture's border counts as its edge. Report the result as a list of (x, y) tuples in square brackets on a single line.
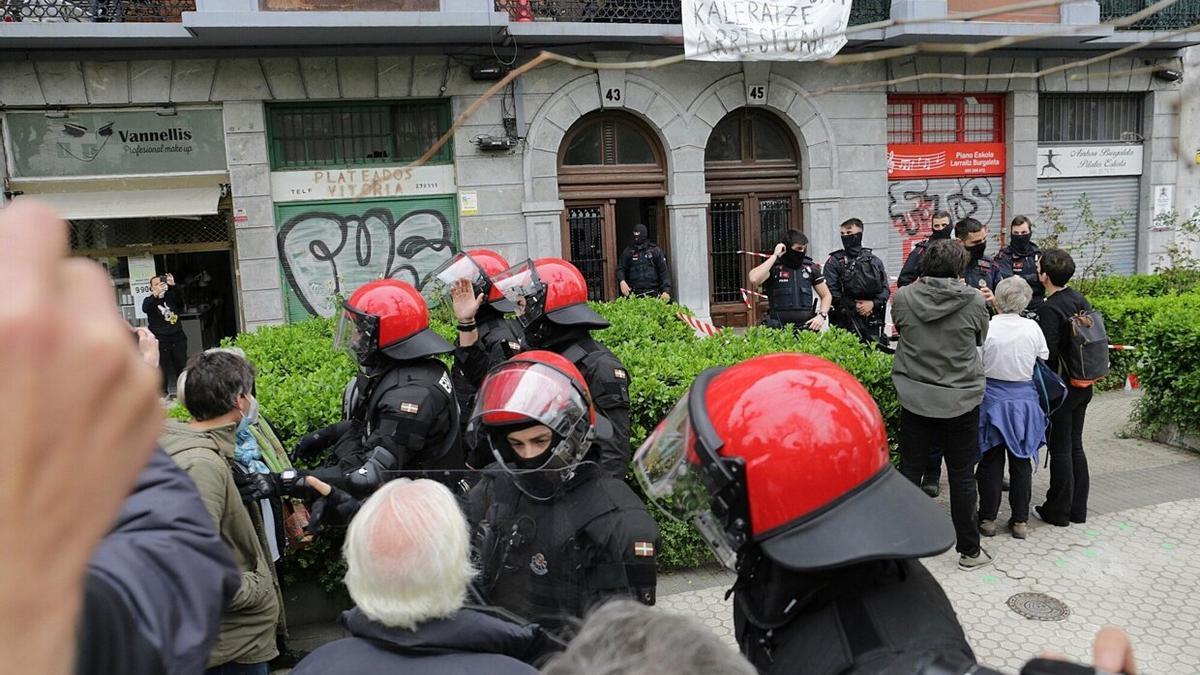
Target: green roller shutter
[(329, 249)]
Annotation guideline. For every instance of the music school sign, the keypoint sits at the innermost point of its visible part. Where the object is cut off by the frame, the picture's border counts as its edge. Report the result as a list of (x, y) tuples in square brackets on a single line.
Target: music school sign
[(932, 160)]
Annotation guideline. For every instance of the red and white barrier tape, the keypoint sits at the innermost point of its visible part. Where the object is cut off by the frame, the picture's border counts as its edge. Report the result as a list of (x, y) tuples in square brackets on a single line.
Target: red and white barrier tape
[(747, 293), (702, 327), (1122, 348)]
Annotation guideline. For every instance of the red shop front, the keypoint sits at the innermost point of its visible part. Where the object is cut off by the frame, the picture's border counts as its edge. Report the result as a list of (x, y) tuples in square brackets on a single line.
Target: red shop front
[(945, 153)]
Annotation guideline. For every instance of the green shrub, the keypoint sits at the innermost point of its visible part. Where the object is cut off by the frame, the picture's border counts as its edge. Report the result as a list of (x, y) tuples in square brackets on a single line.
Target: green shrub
[(1168, 282), (1127, 321), (1169, 374)]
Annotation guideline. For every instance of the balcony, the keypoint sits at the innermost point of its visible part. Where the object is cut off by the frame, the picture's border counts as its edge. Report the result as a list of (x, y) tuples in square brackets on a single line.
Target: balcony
[(647, 11), (95, 11), (1180, 15)]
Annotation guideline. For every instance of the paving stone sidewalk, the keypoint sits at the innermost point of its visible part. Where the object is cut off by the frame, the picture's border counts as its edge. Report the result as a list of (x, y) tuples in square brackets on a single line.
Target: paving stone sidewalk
[(1132, 564)]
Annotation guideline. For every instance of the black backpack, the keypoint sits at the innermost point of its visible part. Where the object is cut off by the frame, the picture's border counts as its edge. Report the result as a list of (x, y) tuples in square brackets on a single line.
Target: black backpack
[(1086, 361), (862, 279)]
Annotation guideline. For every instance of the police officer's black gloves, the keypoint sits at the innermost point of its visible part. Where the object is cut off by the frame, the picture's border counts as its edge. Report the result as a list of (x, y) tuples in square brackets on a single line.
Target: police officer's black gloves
[(312, 444), (335, 509), (255, 486)]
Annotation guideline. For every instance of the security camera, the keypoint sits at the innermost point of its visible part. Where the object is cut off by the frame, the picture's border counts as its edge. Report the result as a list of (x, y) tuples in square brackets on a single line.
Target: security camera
[(1168, 74)]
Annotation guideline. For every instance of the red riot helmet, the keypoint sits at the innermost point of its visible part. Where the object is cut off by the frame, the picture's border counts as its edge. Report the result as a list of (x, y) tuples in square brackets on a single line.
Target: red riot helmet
[(481, 266), (552, 288), (387, 316), (789, 452), (537, 388)]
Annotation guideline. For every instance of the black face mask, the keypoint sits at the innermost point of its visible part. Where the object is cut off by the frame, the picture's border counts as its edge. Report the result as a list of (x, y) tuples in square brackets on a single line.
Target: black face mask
[(852, 243), (1022, 242), (977, 251), (639, 236), (943, 233), (792, 258)]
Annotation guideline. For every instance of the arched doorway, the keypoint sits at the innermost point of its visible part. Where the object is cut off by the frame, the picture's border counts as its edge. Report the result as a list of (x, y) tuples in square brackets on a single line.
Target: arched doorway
[(611, 175), (752, 171)]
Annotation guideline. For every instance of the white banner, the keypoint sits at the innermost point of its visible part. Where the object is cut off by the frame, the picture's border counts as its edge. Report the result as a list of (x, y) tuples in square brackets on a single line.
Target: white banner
[(764, 30), (1080, 161)]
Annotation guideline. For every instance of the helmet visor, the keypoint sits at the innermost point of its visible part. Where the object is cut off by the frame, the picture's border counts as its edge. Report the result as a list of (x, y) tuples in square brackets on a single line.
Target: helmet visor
[(356, 333), (521, 285), (461, 266), (520, 391), (668, 469)]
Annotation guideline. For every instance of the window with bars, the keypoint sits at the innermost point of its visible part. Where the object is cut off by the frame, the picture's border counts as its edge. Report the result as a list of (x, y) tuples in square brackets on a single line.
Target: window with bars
[(1089, 118), (316, 136), (945, 119)]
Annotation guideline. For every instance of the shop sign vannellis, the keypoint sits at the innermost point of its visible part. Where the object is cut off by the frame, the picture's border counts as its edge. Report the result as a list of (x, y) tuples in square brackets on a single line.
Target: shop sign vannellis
[(114, 142), (364, 183)]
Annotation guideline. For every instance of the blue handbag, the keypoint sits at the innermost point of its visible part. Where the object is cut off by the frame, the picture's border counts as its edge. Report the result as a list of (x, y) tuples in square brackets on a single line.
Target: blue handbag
[(1050, 387)]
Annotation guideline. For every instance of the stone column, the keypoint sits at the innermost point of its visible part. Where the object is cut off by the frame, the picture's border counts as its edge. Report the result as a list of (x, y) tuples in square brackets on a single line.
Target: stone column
[(543, 228), (1021, 134), (261, 297), (821, 211), (688, 218)]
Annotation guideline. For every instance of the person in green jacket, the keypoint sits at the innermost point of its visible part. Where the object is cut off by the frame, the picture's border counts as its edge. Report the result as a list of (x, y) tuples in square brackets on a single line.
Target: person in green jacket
[(219, 398)]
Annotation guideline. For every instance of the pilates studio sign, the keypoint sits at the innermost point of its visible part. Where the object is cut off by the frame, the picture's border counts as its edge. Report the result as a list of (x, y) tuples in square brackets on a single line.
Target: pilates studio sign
[(115, 142), (1082, 161)]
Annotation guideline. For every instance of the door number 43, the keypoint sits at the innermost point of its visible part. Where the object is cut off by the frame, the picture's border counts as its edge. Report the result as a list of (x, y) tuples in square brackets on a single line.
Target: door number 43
[(613, 94)]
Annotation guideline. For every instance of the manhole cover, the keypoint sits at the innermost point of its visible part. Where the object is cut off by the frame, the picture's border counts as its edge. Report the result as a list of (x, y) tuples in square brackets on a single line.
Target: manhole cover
[(1039, 607)]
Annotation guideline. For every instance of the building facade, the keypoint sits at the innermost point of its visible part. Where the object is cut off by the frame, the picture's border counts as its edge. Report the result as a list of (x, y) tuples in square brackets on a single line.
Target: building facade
[(267, 150)]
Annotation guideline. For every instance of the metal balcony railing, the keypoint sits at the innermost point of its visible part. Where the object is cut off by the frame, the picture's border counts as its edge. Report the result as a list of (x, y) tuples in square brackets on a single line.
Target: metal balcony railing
[(647, 11), (1179, 15), (99, 11)]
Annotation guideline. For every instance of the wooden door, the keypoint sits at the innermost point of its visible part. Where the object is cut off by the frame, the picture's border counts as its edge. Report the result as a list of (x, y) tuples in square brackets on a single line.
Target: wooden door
[(589, 241), (743, 222)]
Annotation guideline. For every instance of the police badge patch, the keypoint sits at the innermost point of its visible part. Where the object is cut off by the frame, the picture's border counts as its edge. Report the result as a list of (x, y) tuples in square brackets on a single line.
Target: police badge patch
[(537, 563), (620, 374), (444, 383)]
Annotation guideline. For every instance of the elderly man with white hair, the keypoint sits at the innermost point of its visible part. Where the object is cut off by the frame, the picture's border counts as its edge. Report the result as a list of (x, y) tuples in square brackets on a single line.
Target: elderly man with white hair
[(1012, 424), (408, 566)]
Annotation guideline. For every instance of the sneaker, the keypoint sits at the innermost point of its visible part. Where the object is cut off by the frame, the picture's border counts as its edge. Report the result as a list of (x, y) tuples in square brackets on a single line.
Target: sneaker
[(930, 486), (981, 559), (987, 528), (1020, 530), (1042, 517)]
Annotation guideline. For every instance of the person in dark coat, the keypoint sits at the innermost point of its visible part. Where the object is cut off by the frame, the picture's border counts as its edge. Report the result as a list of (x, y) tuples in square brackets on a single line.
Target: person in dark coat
[(940, 228), (1020, 259), (408, 568), (555, 534), (157, 583), (642, 270), (858, 282), (162, 309), (981, 272)]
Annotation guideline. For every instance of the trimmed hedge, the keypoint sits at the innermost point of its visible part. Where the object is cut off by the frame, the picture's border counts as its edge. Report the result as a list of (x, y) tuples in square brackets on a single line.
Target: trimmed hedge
[(301, 379), (1169, 373), (1169, 282)]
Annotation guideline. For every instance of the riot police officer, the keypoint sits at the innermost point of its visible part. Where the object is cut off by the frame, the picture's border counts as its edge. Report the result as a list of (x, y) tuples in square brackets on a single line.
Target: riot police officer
[(981, 272), (940, 229), (551, 298), (400, 411), (554, 534), (1020, 258), (776, 507), (642, 270), (792, 282), (859, 285), (486, 338)]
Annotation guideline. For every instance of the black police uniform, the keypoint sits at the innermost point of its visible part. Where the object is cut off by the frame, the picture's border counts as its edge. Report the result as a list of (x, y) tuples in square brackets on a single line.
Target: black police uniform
[(857, 277), (885, 616), (982, 270), (401, 415), (911, 270), (790, 294), (608, 382), (499, 340), (550, 561), (1010, 263), (644, 268)]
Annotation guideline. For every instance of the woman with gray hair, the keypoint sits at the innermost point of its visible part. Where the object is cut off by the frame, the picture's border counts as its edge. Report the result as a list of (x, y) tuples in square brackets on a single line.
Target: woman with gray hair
[(1012, 424)]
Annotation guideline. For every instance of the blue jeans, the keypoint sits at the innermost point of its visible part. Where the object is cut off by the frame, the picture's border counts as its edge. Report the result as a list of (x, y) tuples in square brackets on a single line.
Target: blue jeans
[(232, 668)]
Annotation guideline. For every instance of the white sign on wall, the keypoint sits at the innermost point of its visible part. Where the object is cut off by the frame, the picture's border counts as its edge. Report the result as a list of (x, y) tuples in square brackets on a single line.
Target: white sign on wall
[(1079, 161), (364, 183), (141, 269), (764, 30)]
